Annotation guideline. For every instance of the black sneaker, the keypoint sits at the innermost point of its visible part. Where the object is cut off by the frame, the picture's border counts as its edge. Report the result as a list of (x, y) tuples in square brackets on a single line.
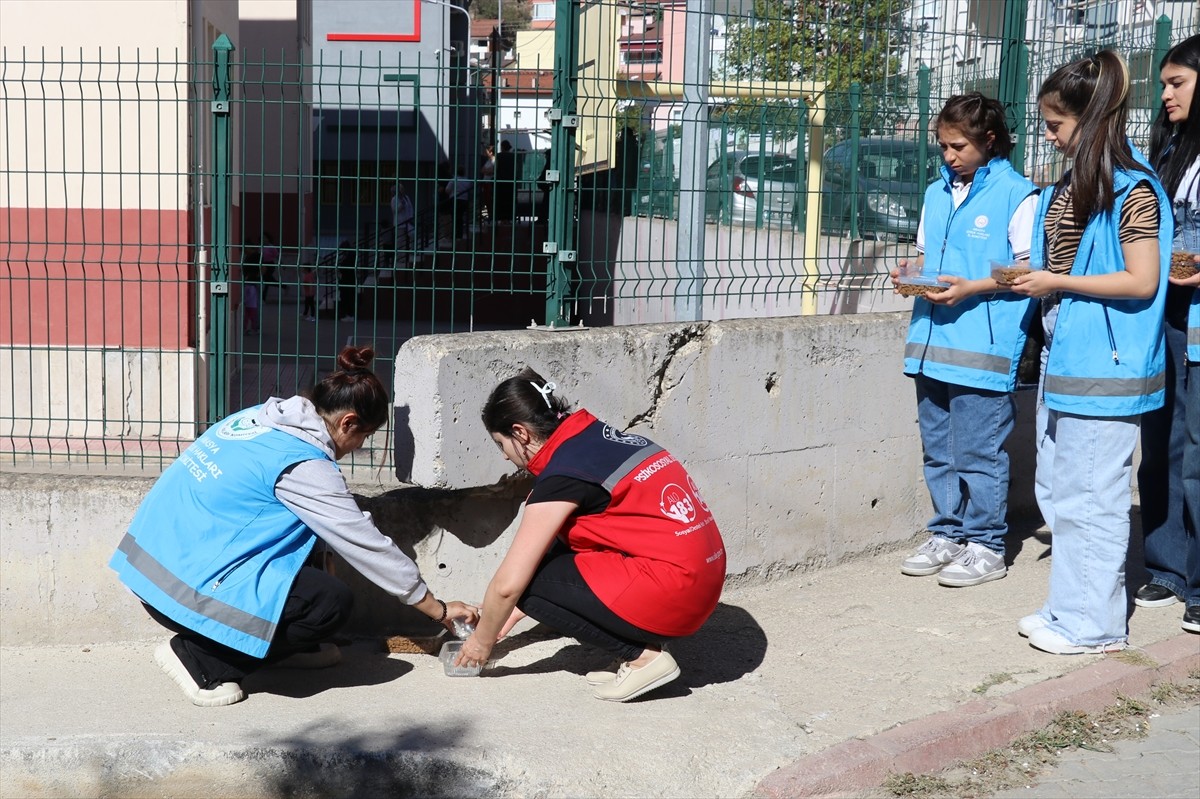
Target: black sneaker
[(1191, 619), (1153, 595)]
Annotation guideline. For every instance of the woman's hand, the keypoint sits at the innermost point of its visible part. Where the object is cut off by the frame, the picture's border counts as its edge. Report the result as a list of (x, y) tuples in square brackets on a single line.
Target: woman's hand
[(902, 267), (960, 289), (461, 611), (475, 651), (1037, 284), (1193, 281)]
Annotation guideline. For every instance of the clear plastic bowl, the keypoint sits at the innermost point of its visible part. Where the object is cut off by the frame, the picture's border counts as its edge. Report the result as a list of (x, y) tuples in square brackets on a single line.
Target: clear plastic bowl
[(449, 652), (915, 285), (1005, 272)]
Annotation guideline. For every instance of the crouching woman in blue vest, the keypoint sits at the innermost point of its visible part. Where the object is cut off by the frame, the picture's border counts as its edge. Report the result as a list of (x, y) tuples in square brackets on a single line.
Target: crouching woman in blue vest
[(217, 551), (1103, 235)]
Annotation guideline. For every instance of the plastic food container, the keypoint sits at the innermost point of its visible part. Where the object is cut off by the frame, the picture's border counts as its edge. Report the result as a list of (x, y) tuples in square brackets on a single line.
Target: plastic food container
[(1005, 272), (917, 285), (449, 652)]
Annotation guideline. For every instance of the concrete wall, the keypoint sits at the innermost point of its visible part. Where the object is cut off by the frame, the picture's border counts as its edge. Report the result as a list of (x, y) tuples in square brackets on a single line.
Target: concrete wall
[(801, 432)]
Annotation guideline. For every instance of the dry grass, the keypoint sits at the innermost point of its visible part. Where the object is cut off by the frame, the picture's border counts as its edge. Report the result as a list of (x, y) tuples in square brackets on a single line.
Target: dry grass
[(1021, 762)]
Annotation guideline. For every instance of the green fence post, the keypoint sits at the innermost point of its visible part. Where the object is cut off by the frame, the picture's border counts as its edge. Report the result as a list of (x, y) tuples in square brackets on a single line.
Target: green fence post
[(924, 89), (762, 162), (1162, 43), (219, 272), (800, 212), (668, 166), (855, 135), (560, 233), (1014, 76), (725, 205)]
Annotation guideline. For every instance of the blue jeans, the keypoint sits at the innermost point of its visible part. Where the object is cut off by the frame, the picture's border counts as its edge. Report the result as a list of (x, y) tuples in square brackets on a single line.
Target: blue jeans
[(1160, 475), (966, 466), (1084, 466), (1191, 484)]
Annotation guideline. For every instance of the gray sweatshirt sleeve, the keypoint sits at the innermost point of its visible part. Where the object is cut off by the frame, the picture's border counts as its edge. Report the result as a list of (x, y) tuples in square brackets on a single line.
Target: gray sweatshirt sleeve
[(317, 493)]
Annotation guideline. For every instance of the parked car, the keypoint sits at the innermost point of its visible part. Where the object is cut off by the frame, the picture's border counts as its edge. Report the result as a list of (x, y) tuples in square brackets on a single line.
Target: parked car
[(742, 182), (890, 187)]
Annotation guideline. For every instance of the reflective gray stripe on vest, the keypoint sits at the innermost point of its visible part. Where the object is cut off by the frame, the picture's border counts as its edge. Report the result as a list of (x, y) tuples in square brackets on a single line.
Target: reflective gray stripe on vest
[(964, 358), (189, 598), (1106, 386), (1193, 336), (641, 455)]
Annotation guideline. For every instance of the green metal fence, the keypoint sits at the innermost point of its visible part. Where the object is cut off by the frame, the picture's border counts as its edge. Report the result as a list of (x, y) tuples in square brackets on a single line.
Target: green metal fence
[(765, 160)]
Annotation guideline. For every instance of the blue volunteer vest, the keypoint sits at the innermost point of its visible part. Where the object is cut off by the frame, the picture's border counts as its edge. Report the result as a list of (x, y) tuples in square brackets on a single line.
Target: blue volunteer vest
[(1108, 357), (211, 546), (1193, 329), (978, 341)]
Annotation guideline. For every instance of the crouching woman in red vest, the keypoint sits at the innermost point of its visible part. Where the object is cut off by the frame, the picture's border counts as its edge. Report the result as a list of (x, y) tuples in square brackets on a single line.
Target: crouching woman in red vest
[(616, 547)]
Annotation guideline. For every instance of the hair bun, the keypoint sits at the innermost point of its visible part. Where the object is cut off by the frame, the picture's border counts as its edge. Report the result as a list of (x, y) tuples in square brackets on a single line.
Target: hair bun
[(355, 358)]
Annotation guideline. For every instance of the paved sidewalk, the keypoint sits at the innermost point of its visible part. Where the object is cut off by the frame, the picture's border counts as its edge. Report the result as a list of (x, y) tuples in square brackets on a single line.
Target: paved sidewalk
[(804, 684), (1163, 765)]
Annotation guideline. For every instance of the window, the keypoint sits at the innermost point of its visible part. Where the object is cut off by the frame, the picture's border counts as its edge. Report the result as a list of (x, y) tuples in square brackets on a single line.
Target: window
[(772, 167), (651, 56), (543, 12)]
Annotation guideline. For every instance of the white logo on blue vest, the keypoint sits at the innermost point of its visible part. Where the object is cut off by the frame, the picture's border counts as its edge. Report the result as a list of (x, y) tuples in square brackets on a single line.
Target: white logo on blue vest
[(979, 231), (241, 428), (613, 434)]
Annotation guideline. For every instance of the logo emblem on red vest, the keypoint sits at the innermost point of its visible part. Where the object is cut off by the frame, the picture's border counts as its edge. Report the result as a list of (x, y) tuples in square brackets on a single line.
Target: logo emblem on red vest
[(677, 504), (613, 434)]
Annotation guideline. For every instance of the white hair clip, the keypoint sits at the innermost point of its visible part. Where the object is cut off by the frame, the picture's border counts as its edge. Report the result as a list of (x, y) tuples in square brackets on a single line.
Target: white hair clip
[(545, 391)]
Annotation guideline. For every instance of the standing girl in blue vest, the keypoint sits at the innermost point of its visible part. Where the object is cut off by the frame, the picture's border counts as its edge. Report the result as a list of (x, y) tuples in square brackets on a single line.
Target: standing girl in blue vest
[(1169, 474), (218, 551), (1103, 236), (964, 343)]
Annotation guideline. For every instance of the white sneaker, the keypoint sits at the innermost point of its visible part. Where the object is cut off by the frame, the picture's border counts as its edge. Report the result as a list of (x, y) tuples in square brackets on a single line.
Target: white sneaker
[(1047, 640), (931, 557), (226, 693), (1027, 624), (974, 565)]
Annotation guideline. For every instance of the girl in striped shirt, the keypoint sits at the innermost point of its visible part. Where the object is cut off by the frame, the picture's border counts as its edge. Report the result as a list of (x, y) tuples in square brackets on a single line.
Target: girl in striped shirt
[(1103, 236)]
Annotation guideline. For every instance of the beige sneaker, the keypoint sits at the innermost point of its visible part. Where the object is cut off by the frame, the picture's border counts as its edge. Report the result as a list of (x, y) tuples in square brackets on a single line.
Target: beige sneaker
[(601, 677), (630, 683)]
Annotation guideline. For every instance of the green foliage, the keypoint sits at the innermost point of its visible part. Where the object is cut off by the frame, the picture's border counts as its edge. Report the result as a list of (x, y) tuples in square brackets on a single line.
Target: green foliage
[(838, 42)]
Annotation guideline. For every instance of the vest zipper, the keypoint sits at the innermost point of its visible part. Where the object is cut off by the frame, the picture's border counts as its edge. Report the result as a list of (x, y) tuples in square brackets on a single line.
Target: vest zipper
[(232, 568)]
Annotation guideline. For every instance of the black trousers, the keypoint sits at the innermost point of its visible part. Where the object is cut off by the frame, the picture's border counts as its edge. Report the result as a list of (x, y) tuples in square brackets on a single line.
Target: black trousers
[(559, 597), (318, 605)]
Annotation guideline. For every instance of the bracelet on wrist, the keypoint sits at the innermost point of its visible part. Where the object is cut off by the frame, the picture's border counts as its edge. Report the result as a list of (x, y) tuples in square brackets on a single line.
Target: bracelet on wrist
[(445, 610)]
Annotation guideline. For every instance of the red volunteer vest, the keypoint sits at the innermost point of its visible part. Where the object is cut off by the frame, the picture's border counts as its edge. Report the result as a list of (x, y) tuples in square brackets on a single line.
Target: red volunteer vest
[(655, 556)]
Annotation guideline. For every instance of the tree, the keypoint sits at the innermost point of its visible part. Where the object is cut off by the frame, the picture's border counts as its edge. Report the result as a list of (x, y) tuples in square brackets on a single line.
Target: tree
[(836, 41)]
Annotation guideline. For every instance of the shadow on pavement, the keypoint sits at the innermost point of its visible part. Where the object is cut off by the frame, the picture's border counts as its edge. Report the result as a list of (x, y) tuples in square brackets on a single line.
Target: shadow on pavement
[(359, 667), (730, 645), (316, 762)]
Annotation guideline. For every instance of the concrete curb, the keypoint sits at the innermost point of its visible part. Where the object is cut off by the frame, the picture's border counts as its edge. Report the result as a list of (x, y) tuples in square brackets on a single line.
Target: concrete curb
[(973, 728)]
